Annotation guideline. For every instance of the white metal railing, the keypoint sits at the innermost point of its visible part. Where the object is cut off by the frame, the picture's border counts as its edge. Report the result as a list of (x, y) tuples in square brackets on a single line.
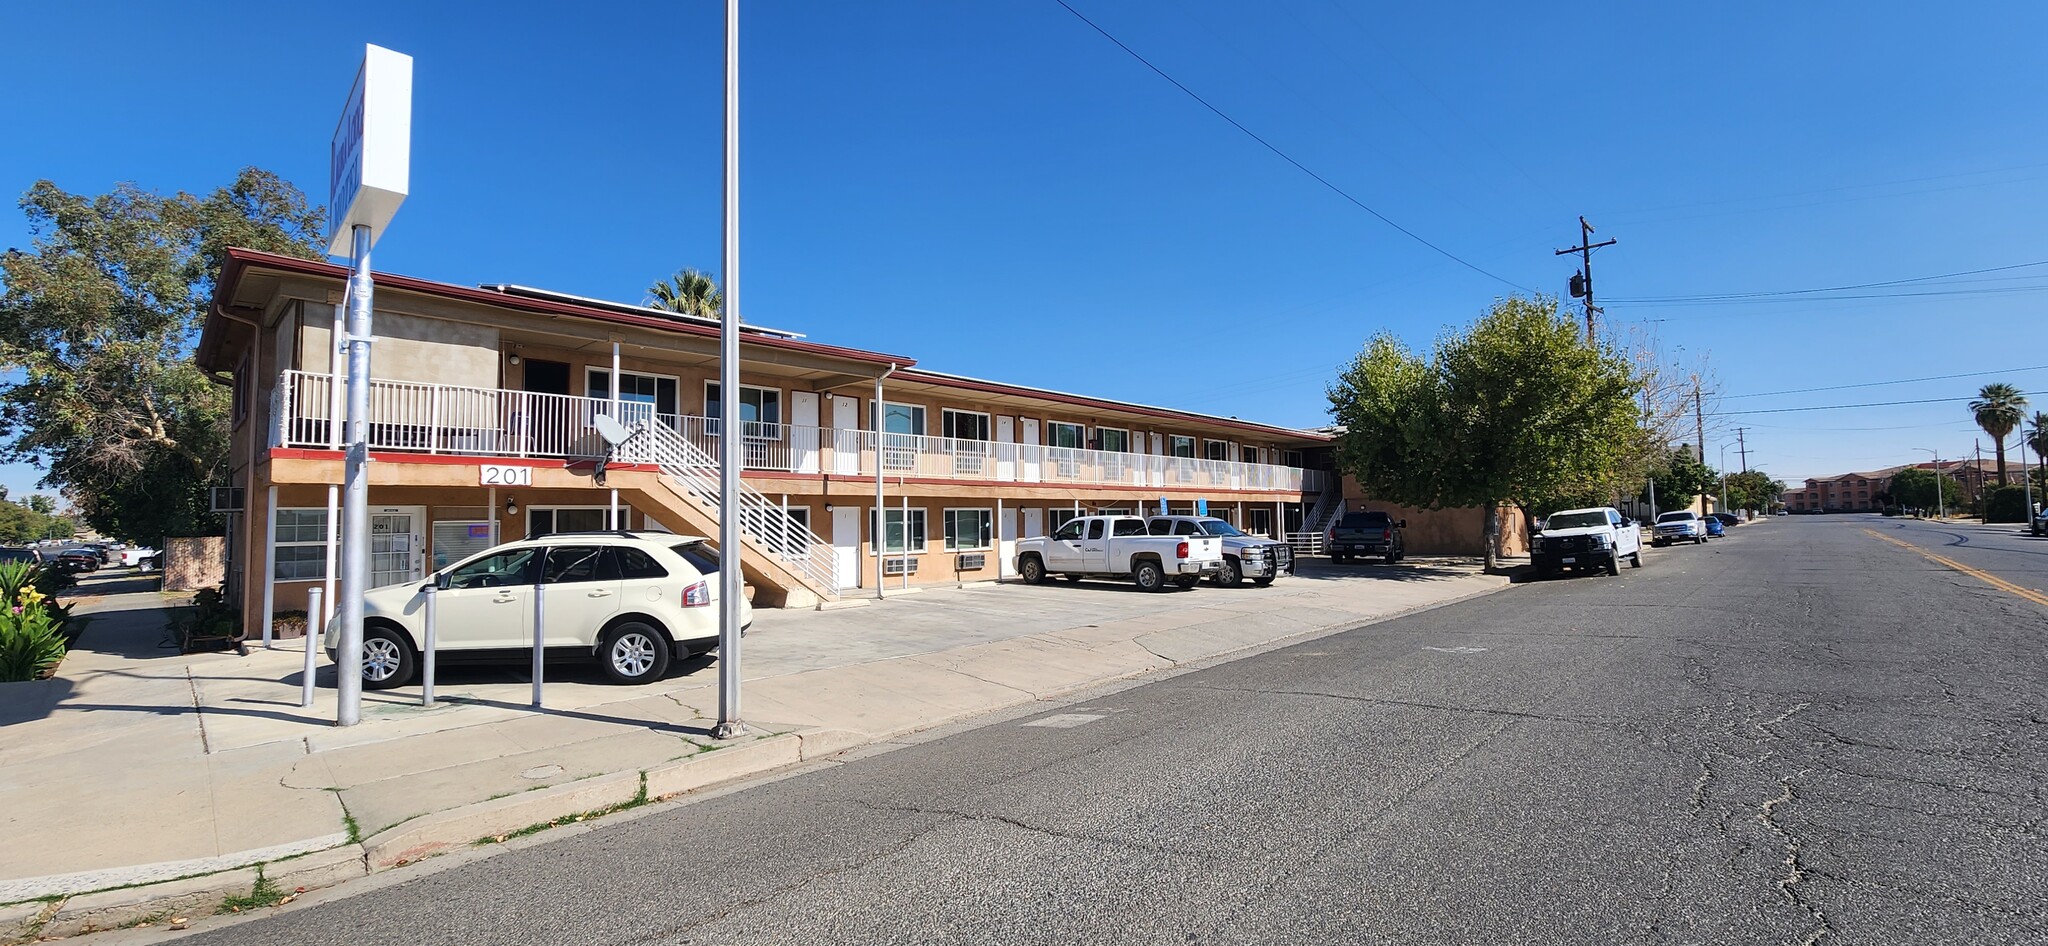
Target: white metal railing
[(769, 525), (920, 457), (437, 418)]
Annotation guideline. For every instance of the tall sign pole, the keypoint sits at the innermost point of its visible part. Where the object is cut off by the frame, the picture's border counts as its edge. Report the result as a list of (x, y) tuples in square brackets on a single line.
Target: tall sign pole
[(730, 447), (368, 178)]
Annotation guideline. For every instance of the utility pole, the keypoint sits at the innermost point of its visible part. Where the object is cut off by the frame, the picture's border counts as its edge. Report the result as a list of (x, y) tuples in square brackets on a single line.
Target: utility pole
[(1699, 419), (1582, 281), (1742, 448)]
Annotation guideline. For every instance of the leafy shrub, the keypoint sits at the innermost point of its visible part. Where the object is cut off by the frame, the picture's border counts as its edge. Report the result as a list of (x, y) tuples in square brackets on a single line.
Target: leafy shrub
[(31, 643), (23, 585), (2006, 504), (209, 619)]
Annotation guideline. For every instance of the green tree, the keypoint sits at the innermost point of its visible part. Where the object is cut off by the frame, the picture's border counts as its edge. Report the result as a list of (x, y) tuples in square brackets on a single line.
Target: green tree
[(1754, 490), (42, 504), (1681, 479), (97, 324), (690, 292), (1998, 409), (1515, 409), (1917, 488)]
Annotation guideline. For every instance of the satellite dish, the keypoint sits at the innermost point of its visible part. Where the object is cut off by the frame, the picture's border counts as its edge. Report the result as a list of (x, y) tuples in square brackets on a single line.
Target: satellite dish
[(613, 432)]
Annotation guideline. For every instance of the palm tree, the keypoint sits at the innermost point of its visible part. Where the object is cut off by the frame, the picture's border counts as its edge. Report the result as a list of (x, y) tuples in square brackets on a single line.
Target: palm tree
[(1999, 408), (2037, 441), (690, 292)]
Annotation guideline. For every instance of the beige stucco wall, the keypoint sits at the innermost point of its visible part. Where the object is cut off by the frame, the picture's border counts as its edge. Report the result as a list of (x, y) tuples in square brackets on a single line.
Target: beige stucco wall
[(409, 348)]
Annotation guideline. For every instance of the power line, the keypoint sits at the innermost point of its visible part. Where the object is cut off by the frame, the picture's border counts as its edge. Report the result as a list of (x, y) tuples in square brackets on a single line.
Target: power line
[(1874, 384), (1717, 297), (1842, 407), (1383, 218)]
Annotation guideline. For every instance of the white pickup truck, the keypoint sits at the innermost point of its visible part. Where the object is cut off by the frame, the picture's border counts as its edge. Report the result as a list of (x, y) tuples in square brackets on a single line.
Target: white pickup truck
[(1118, 547)]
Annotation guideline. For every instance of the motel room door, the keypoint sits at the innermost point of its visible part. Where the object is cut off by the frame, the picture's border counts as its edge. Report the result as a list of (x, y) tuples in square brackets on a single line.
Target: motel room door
[(803, 431), (1006, 456), (846, 445), (398, 544), (846, 544), (1029, 451)]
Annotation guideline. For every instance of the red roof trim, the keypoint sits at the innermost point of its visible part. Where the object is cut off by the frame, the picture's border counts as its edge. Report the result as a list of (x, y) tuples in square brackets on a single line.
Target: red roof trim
[(240, 259), (994, 387)]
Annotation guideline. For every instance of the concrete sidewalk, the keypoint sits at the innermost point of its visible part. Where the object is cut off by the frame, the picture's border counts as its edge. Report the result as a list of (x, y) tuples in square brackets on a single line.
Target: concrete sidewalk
[(138, 766)]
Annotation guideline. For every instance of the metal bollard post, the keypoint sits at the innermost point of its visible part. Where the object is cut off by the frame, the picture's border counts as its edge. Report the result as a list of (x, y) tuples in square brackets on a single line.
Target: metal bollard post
[(427, 659), (539, 637), (314, 631)]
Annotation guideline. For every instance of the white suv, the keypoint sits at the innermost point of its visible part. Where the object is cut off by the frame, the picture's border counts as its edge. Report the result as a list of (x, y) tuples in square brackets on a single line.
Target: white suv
[(1578, 539), (632, 600)]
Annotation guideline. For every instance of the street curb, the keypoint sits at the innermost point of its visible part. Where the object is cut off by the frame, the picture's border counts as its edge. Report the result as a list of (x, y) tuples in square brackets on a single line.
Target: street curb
[(461, 828), (458, 827)]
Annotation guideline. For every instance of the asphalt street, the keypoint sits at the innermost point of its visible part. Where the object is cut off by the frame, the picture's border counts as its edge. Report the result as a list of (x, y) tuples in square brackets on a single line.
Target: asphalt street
[(1802, 733)]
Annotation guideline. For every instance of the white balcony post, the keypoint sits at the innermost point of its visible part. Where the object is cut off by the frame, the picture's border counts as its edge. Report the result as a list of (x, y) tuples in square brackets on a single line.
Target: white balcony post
[(434, 419)]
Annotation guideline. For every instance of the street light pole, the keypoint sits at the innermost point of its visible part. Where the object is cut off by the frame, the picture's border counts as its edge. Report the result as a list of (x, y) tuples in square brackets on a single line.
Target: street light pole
[(730, 451), (1940, 504), (1722, 466)]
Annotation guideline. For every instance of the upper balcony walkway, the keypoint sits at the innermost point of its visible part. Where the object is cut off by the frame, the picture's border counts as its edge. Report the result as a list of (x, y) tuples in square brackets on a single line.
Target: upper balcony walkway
[(416, 417)]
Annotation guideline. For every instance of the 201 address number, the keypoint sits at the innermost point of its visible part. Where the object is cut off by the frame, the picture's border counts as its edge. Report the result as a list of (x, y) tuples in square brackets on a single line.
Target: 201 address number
[(496, 475)]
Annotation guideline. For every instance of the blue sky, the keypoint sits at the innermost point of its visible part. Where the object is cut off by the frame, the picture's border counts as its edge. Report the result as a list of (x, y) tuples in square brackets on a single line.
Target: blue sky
[(996, 190)]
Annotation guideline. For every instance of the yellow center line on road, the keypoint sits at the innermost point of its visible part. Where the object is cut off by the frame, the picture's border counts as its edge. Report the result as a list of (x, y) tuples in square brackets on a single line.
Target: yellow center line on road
[(1977, 573)]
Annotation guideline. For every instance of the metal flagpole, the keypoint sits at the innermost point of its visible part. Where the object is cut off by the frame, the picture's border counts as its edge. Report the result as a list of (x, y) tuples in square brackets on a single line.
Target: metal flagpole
[(355, 493), (729, 449)]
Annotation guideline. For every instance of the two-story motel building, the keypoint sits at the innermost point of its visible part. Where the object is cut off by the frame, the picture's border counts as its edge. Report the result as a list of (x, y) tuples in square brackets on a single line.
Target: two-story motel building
[(481, 430)]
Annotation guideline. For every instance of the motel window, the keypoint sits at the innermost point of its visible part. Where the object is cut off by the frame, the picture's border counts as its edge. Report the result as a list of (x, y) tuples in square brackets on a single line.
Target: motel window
[(301, 545), (969, 529), (1248, 455), (559, 519), (1181, 447), (644, 392), (760, 410), (893, 531), (1216, 450), (964, 425), (1060, 517), (1113, 440), (1059, 433)]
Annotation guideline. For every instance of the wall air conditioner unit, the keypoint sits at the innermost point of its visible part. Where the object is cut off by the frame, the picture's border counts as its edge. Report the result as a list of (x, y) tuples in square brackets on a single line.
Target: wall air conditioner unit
[(227, 499)]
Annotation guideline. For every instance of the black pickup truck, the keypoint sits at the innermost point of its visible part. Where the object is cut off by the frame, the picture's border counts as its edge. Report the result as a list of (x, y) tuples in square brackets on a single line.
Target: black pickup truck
[(1358, 534)]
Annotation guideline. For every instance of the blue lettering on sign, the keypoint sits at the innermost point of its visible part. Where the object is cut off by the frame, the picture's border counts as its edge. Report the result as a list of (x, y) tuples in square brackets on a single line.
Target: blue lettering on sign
[(345, 160)]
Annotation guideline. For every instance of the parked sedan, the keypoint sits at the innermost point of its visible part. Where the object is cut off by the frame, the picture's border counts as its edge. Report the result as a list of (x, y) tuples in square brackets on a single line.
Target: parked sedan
[(1728, 519), (77, 560), (1715, 528)]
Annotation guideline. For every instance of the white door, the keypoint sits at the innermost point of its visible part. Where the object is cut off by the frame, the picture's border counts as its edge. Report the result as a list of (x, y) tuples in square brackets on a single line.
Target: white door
[(1006, 454), (1034, 523), (1156, 467), (846, 436), (1006, 538), (803, 431), (398, 547), (846, 544), (1027, 451)]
